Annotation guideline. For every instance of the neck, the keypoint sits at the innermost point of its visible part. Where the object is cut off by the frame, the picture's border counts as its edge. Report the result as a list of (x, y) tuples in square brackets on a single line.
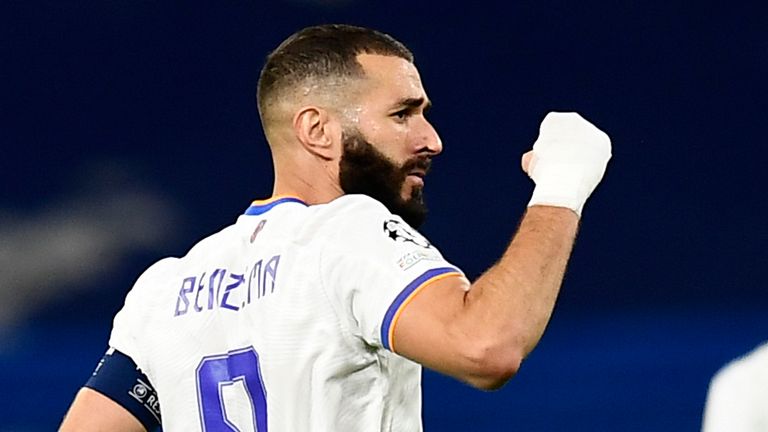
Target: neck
[(312, 182)]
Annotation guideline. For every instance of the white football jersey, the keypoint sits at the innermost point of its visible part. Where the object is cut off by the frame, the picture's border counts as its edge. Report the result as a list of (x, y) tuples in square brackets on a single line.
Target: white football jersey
[(284, 321)]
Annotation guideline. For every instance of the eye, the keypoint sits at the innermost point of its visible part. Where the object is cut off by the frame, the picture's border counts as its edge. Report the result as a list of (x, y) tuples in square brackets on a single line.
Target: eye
[(402, 115)]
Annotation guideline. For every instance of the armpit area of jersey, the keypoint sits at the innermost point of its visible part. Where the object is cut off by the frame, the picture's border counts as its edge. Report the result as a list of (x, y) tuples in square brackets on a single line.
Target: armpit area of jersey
[(117, 377)]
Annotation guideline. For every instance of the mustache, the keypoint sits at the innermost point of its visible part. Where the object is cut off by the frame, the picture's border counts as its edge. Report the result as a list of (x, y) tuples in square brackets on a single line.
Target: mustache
[(365, 170), (422, 163)]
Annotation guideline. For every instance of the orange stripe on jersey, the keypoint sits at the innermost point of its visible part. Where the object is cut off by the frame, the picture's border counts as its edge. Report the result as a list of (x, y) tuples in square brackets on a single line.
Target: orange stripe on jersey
[(409, 298), (273, 199)]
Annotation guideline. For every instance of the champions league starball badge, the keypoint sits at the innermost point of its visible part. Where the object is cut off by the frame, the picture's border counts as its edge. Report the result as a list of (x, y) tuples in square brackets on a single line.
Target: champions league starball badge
[(400, 232)]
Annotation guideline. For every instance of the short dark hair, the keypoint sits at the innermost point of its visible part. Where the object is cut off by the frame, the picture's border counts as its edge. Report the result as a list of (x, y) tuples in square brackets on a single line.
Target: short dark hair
[(319, 52)]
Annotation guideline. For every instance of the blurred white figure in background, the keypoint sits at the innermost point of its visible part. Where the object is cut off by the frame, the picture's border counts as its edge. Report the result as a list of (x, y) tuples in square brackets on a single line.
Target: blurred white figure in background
[(737, 400)]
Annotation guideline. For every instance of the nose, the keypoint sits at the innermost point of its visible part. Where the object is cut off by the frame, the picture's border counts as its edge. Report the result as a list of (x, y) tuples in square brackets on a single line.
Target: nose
[(428, 140)]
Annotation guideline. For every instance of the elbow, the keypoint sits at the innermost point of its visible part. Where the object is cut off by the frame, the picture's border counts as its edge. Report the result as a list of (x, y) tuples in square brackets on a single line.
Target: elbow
[(492, 366)]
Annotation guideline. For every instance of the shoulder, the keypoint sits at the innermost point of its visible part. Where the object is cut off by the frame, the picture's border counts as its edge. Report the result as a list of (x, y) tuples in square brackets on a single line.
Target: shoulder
[(366, 233), (170, 267), (346, 217), (151, 277), (362, 219), (212, 242), (352, 207)]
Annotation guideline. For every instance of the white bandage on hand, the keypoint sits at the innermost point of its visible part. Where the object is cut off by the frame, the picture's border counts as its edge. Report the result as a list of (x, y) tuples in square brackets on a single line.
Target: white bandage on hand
[(569, 159)]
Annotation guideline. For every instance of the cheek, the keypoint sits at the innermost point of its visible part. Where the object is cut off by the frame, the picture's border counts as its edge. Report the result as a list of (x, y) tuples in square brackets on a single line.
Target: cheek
[(389, 138)]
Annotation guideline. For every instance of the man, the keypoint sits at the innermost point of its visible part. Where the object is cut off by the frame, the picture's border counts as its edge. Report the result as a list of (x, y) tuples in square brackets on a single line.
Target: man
[(316, 310), (738, 395)]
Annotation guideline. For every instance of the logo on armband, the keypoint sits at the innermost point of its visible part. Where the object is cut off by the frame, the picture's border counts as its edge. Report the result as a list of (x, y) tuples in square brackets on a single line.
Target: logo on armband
[(145, 395), (140, 391), (400, 232)]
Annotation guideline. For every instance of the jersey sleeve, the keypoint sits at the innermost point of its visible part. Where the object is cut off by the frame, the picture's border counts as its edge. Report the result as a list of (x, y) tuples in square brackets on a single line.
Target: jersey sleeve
[(374, 266), (130, 321)]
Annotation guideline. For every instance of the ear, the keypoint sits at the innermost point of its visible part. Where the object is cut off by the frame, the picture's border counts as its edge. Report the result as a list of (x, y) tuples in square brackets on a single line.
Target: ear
[(317, 131)]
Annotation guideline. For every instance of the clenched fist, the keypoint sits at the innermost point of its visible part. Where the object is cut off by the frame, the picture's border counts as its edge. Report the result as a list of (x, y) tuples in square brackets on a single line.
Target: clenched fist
[(567, 162)]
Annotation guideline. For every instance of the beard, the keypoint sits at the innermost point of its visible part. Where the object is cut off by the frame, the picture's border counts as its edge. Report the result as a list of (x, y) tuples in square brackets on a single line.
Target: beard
[(365, 170)]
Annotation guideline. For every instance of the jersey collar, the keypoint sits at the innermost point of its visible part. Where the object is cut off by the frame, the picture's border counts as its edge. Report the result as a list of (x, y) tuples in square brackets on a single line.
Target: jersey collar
[(262, 206)]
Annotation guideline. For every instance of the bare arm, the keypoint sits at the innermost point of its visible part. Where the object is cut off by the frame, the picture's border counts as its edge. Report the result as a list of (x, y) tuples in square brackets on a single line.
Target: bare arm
[(481, 333), (93, 412), (480, 336)]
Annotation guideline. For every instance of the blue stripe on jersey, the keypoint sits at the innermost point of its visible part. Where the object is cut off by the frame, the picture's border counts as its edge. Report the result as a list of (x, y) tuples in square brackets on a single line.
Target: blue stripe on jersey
[(394, 309), (261, 207)]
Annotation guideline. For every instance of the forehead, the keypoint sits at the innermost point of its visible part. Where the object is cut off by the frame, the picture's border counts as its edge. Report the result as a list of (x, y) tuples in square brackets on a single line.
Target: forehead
[(390, 78)]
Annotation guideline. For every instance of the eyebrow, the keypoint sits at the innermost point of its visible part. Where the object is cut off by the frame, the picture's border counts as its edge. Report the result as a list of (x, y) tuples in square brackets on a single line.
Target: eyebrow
[(414, 103)]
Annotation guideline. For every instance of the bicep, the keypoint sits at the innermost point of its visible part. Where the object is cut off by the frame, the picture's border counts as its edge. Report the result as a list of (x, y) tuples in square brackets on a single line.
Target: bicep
[(92, 411), (432, 329)]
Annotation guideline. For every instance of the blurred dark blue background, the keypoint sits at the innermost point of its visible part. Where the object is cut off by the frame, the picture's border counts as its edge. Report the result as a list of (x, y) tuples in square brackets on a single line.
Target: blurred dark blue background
[(128, 132)]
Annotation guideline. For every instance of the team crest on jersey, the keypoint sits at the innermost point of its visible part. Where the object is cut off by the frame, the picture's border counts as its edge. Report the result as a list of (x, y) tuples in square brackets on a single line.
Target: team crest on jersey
[(400, 232)]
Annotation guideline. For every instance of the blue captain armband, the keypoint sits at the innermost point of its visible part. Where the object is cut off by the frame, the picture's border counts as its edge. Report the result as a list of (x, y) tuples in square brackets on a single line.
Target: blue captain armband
[(118, 378)]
